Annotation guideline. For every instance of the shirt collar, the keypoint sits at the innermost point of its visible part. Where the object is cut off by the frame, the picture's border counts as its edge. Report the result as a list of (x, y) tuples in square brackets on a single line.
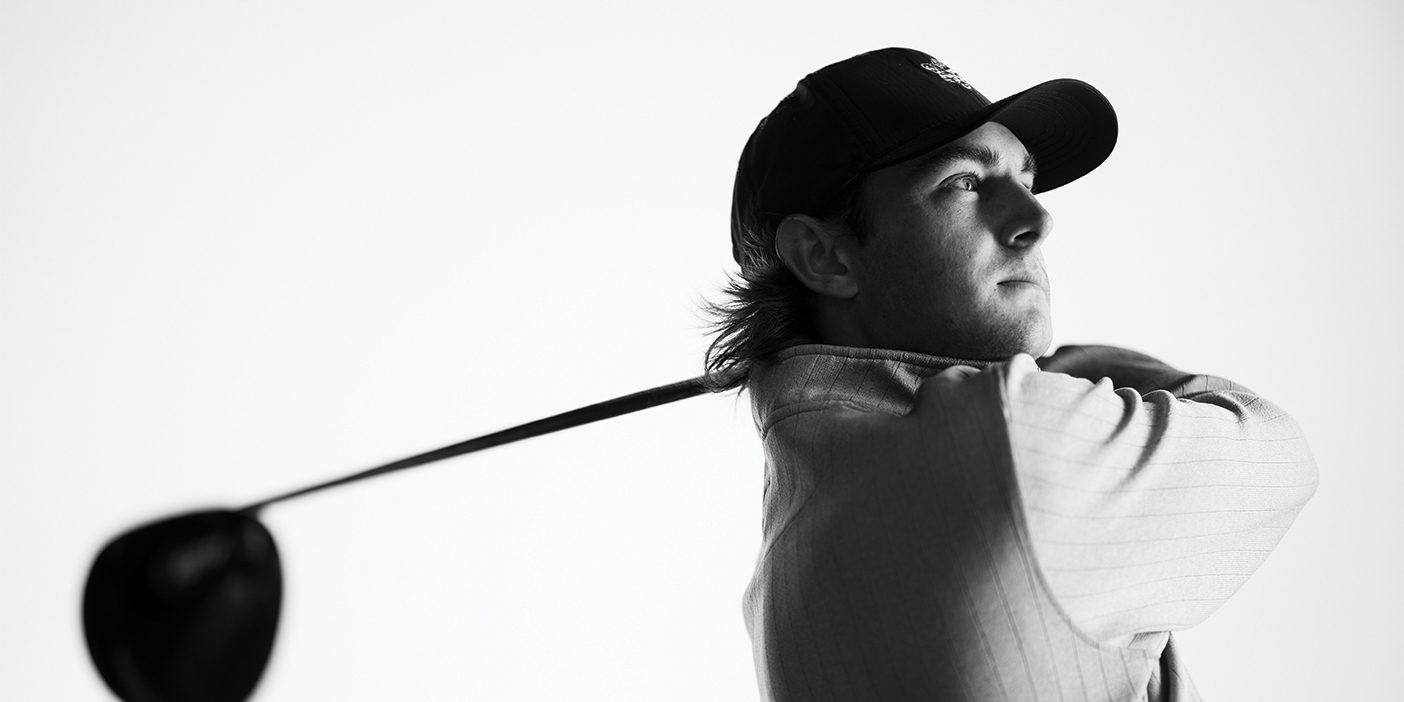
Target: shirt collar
[(810, 373)]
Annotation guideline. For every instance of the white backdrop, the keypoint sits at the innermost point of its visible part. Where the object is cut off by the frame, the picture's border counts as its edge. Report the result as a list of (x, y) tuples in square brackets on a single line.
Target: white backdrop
[(245, 246)]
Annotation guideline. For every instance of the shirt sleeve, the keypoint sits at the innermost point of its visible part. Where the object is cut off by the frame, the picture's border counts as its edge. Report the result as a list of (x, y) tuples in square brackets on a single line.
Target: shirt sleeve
[(1148, 501)]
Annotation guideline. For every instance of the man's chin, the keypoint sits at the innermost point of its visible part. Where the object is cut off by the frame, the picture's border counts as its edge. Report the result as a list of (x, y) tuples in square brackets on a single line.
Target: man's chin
[(1037, 349), (997, 347), (1032, 337), (1038, 340), (995, 336)]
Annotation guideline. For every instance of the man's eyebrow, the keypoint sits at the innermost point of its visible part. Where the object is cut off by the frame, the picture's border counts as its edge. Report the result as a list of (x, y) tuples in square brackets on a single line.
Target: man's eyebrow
[(979, 153)]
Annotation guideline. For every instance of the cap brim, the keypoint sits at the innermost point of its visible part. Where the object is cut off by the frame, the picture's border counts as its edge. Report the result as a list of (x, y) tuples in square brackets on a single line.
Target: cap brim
[(1068, 126)]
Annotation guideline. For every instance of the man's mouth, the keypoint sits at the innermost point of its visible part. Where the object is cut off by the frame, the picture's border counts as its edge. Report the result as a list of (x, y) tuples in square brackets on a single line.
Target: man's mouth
[(1035, 282)]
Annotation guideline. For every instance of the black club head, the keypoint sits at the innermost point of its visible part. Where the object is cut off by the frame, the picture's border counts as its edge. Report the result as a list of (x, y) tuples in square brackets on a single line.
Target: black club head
[(185, 608)]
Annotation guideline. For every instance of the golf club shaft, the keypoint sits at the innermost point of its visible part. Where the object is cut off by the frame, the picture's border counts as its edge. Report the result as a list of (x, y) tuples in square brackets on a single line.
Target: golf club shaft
[(626, 404)]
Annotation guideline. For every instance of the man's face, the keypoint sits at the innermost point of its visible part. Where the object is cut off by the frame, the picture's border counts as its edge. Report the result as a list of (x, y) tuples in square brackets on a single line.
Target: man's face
[(951, 263)]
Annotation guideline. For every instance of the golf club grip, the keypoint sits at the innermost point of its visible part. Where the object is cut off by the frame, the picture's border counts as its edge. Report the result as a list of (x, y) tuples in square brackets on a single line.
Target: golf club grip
[(607, 409)]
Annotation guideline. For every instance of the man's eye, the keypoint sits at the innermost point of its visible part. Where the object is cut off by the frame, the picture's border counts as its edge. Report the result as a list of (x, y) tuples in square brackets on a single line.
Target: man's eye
[(965, 182)]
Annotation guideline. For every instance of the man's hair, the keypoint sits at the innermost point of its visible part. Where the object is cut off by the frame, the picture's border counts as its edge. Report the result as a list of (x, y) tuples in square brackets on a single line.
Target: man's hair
[(766, 308)]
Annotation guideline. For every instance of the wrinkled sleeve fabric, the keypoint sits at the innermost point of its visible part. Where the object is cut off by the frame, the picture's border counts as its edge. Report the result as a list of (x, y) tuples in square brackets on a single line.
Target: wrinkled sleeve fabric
[(1149, 495)]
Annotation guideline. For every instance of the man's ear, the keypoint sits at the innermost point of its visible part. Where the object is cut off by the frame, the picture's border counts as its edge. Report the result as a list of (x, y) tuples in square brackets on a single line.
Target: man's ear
[(819, 253)]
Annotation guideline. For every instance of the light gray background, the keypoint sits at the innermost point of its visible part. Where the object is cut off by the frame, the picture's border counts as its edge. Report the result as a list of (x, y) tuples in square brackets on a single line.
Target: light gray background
[(245, 246)]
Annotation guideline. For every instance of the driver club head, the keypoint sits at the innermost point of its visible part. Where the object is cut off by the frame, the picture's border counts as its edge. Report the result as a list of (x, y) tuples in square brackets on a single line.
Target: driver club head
[(184, 608)]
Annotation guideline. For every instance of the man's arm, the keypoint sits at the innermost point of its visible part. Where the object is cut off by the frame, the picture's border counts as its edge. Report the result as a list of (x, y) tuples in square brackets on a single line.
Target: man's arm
[(1151, 494)]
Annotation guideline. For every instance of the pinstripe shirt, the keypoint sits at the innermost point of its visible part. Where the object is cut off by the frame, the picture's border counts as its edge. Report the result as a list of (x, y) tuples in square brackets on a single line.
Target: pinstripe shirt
[(940, 529)]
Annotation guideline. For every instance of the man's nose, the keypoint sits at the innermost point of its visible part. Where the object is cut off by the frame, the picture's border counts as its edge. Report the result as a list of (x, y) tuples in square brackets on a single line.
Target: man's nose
[(1023, 221)]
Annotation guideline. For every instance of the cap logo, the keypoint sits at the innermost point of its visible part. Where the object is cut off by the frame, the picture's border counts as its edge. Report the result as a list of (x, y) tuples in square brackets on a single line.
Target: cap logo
[(945, 73)]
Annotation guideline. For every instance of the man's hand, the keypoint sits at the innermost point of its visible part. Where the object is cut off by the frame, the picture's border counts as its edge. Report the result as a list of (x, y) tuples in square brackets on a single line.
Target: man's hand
[(1126, 368)]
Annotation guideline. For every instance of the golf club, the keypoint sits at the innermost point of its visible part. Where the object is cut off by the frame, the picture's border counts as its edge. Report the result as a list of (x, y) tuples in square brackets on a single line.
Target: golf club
[(186, 607)]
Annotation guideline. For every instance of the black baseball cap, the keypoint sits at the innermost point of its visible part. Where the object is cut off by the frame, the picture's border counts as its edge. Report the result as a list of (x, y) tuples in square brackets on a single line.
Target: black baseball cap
[(885, 107)]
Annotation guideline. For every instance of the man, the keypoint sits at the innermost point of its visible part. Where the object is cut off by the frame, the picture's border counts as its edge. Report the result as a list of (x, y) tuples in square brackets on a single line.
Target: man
[(946, 518)]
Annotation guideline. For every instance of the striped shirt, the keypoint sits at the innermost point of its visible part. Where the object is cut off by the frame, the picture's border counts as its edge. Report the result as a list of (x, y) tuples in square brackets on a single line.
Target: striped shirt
[(941, 529)]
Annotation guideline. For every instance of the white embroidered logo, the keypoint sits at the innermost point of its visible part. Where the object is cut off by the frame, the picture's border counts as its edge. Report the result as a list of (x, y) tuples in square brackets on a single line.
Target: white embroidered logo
[(945, 73)]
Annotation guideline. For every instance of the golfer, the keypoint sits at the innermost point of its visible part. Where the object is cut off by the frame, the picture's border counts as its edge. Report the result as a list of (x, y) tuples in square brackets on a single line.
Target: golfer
[(948, 513)]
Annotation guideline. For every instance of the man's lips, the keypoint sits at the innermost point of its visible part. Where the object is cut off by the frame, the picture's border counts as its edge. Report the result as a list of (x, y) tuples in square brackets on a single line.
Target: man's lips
[(1036, 281)]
